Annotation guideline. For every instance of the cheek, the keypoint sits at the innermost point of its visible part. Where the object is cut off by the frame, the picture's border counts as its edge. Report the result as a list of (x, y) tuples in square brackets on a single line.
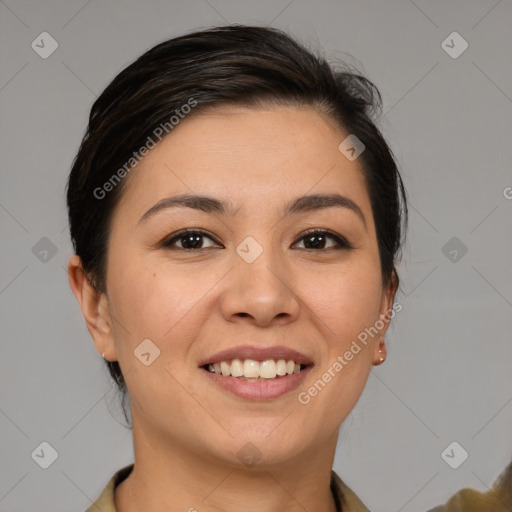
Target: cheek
[(346, 304), (148, 303), (347, 300), (159, 302)]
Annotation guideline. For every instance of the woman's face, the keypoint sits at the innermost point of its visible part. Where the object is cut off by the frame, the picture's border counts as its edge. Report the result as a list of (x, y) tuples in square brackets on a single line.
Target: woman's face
[(256, 280)]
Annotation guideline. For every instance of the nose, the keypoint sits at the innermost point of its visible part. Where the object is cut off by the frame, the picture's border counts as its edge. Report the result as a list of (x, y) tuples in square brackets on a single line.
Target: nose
[(261, 292)]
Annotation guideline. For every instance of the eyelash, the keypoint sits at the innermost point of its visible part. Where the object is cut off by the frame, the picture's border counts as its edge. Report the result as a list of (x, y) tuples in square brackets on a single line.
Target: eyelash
[(341, 241)]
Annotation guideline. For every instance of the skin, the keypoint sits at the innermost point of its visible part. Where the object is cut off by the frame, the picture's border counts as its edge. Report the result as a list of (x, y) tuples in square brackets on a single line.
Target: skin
[(187, 431)]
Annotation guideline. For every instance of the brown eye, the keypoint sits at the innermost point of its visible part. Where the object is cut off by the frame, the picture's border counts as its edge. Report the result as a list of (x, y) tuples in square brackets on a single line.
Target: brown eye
[(190, 239), (317, 240)]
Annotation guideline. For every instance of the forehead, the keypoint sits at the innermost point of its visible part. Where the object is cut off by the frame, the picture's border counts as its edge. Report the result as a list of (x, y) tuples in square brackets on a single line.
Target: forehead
[(247, 156)]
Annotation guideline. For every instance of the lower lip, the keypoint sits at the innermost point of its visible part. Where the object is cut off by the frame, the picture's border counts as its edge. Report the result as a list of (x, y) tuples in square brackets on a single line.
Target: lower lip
[(258, 390)]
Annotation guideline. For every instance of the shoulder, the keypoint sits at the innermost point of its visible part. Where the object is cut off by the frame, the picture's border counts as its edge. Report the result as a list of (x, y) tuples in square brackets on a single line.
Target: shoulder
[(105, 501), (346, 499), (496, 499)]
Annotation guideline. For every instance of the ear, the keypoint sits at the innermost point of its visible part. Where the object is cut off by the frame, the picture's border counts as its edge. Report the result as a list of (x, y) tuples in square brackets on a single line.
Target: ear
[(386, 313), (95, 309)]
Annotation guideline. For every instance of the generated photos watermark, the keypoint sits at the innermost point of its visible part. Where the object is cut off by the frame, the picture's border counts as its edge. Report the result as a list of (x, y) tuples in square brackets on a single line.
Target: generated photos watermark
[(158, 133), (304, 397)]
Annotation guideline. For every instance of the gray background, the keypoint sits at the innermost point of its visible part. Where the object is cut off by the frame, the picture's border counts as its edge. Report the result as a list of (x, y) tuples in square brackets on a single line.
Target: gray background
[(448, 120)]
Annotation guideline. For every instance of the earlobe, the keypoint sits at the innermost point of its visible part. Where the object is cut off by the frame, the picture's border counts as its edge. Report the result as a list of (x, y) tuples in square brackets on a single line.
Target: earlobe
[(95, 308), (386, 313), (381, 356)]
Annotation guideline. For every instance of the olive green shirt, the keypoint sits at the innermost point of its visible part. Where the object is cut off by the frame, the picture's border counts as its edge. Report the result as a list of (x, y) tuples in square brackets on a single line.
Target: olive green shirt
[(498, 499)]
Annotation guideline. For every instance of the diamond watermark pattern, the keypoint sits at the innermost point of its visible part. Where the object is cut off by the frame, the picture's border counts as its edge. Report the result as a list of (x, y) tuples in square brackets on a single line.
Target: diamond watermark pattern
[(454, 249), (249, 249), (249, 454), (44, 45), (454, 455), (351, 147), (454, 45), (146, 352), (44, 455), (44, 250)]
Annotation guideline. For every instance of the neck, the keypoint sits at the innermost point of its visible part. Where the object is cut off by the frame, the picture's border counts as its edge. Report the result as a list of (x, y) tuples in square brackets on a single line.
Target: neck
[(171, 477)]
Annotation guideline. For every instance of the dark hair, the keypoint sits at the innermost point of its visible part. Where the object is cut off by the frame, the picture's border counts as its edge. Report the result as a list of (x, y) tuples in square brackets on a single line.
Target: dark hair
[(231, 65)]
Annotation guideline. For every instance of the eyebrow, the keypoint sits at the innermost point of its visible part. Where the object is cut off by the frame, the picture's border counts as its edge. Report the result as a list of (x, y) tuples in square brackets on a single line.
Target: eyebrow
[(302, 204)]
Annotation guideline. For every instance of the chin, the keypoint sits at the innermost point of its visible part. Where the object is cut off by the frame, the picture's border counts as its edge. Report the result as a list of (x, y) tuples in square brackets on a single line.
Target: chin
[(262, 450)]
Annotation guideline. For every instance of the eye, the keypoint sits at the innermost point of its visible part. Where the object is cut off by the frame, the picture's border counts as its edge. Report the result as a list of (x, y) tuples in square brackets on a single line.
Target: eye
[(316, 239), (189, 238)]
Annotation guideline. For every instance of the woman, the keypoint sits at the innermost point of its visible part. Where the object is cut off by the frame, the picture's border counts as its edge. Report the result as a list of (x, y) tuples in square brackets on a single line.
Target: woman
[(236, 217)]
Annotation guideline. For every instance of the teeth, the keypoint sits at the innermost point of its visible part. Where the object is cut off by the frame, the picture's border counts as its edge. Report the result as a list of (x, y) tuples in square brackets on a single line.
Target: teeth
[(225, 368), (267, 369), (237, 370), (281, 367), (249, 369)]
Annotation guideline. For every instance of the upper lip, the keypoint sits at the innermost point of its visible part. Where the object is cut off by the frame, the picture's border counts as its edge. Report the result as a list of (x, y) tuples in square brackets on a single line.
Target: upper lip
[(258, 354)]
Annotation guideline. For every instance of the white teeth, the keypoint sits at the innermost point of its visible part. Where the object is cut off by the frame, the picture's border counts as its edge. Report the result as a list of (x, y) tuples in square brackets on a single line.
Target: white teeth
[(236, 368), (225, 368), (281, 367), (268, 369), (249, 369)]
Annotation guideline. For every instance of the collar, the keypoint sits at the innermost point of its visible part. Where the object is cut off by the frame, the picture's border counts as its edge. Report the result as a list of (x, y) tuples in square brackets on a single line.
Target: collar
[(344, 497)]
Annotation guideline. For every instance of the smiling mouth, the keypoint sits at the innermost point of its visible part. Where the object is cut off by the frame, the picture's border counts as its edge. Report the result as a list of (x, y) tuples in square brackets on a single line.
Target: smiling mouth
[(252, 370)]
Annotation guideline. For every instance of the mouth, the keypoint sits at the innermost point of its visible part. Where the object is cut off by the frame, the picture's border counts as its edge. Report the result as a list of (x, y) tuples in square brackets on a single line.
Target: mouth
[(256, 373), (252, 371)]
